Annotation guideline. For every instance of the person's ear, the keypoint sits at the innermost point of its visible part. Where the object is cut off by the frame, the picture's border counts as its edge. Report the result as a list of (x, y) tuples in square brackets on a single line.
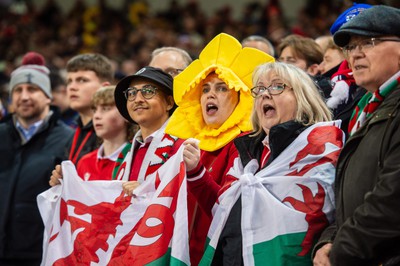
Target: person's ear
[(313, 70), (48, 101), (170, 102)]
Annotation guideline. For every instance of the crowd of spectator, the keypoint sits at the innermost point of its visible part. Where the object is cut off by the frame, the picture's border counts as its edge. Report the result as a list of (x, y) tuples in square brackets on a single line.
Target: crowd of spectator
[(331, 88), (127, 36)]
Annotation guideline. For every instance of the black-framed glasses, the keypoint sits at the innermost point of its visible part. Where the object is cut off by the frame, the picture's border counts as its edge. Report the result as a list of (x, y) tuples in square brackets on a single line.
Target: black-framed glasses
[(173, 71), (273, 89), (147, 91), (365, 45)]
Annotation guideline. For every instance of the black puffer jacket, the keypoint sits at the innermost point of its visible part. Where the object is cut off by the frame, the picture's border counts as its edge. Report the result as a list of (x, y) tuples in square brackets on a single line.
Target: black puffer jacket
[(24, 173)]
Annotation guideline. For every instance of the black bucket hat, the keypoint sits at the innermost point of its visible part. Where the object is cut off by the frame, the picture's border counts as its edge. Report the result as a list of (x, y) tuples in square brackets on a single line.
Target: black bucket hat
[(152, 74)]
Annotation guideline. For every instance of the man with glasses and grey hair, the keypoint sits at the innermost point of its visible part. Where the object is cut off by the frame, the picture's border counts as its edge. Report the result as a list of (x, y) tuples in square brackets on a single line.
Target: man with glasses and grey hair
[(260, 43), (171, 60), (367, 227)]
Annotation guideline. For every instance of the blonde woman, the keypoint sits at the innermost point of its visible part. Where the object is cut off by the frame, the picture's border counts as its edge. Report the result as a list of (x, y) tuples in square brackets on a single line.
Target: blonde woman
[(278, 196)]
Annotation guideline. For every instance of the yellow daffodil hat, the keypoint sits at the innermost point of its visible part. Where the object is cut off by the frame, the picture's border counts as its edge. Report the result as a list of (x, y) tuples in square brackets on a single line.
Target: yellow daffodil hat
[(234, 65)]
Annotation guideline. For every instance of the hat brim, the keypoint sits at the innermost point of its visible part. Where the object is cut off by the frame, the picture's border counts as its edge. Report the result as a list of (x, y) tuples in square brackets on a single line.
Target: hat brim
[(342, 37), (119, 97)]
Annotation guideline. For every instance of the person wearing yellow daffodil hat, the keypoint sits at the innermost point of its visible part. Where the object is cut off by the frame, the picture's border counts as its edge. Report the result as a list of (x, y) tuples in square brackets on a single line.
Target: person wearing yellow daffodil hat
[(214, 107)]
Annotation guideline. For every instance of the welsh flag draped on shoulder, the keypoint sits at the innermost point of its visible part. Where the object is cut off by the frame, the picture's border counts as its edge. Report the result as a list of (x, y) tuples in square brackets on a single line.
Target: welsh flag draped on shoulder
[(285, 204), (95, 223)]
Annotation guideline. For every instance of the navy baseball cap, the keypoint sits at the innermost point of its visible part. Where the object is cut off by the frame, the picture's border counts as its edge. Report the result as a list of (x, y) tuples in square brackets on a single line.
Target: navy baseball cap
[(347, 15)]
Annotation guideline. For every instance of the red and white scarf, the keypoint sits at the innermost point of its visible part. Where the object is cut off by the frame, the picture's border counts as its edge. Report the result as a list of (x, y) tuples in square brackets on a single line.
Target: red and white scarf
[(343, 79), (370, 102)]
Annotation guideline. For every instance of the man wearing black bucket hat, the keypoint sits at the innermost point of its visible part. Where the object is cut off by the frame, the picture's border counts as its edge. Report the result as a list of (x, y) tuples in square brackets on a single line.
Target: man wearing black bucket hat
[(367, 227), (145, 98)]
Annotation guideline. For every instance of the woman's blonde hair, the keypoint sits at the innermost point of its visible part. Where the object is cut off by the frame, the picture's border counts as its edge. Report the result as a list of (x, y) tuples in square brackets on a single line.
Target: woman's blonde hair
[(311, 108)]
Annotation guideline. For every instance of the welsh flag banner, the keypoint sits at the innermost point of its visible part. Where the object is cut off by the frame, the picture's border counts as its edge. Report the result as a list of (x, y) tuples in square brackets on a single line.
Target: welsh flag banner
[(95, 223), (286, 204)]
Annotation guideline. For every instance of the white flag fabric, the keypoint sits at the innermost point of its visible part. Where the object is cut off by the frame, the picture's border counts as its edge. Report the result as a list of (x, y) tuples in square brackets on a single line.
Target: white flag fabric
[(286, 204), (95, 223)]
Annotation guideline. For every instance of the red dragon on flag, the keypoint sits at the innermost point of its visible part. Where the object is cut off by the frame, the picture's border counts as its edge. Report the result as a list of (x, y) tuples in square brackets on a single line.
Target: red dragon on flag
[(95, 222)]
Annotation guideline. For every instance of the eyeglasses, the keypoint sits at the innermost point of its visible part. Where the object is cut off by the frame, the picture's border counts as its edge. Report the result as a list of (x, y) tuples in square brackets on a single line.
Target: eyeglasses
[(173, 71), (365, 45), (273, 89), (148, 92)]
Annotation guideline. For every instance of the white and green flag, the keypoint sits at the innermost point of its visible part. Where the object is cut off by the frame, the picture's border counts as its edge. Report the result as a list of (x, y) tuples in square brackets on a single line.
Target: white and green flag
[(285, 205), (95, 223)]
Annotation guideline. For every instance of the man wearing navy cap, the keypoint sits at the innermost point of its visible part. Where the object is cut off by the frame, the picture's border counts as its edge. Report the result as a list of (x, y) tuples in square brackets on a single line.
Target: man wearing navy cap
[(145, 98), (367, 227)]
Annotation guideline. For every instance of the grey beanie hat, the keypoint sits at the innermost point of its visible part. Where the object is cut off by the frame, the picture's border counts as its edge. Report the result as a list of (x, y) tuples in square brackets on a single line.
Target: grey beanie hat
[(376, 21), (32, 74)]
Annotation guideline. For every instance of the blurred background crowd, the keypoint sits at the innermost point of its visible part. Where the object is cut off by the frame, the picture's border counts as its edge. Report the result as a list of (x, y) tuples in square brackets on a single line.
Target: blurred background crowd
[(129, 34)]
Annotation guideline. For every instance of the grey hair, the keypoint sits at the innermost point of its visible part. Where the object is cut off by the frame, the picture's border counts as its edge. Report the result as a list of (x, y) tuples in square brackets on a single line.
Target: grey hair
[(258, 38), (185, 55)]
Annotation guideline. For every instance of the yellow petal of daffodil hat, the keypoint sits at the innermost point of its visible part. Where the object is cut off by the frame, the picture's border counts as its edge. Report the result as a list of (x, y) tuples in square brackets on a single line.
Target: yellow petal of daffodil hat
[(234, 65)]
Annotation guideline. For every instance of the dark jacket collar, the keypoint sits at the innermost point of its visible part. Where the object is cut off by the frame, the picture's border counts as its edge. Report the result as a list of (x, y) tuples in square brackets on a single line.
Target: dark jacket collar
[(87, 127), (280, 136)]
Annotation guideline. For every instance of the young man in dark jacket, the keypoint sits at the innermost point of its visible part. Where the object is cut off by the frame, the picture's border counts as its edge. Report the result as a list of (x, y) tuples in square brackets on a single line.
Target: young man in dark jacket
[(86, 73)]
